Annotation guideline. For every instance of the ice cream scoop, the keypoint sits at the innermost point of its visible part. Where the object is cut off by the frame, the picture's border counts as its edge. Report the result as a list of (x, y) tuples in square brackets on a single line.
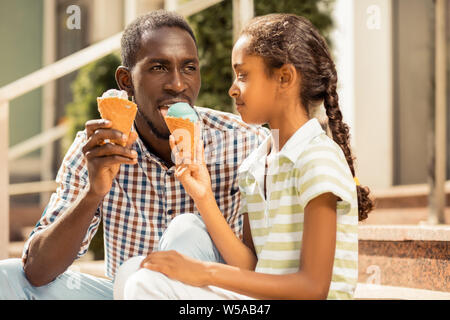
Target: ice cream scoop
[(111, 93), (114, 105), (182, 110), (183, 123)]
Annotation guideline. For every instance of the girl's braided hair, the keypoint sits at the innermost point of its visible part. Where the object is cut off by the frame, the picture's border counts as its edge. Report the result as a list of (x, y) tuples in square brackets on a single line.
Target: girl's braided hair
[(289, 39)]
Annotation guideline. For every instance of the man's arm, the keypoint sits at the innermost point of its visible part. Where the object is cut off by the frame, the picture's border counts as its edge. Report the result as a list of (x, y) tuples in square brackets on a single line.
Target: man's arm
[(53, 249)]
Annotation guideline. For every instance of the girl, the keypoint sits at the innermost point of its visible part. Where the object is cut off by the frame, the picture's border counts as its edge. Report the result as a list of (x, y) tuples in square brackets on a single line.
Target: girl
[(300, 200)]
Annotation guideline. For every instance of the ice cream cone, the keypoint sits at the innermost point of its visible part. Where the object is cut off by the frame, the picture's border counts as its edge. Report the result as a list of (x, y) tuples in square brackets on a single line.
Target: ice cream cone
[(120, 111), (188, 131)]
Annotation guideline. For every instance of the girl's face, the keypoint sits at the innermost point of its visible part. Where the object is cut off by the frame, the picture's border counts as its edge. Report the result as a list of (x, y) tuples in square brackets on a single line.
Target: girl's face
[(253, 90)]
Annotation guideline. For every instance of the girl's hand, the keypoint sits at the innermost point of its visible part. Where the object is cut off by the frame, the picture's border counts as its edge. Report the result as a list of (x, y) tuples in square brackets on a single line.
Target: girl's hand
[(178, 267), (194, 177)]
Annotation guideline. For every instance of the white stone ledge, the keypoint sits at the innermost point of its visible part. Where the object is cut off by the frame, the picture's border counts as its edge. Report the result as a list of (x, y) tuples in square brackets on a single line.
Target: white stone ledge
[(381, 292), (404, 232)]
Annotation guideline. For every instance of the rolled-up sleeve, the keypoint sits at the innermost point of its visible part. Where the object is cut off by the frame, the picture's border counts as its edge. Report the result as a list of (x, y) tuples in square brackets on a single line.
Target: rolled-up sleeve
[(72, 181)]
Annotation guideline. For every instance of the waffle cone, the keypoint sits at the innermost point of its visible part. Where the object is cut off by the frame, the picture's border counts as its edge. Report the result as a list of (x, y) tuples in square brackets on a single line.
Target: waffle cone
[(119, 111), (188, 130)]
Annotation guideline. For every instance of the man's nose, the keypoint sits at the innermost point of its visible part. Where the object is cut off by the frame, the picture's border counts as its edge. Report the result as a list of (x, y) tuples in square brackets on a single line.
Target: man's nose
[(176, 82)]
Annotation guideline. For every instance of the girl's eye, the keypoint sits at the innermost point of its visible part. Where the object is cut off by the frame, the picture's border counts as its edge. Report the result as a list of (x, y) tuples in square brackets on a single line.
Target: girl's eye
[(242, 76)]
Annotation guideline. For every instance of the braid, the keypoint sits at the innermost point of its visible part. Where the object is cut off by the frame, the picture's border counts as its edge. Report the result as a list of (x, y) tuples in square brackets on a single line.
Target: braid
[(339, 129), (341, 136)]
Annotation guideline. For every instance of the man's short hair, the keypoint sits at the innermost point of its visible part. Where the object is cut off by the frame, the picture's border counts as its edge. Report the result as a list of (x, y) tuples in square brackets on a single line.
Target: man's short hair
[(131, 38)]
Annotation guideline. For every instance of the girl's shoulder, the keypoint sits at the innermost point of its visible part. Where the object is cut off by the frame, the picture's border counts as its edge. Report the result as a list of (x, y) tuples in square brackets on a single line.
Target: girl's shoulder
[(322, 167), (322, 147)]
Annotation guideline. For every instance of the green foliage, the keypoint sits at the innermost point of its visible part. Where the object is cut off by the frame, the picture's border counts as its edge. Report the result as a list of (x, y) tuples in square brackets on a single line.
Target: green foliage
[(213, 28), (92, 80)]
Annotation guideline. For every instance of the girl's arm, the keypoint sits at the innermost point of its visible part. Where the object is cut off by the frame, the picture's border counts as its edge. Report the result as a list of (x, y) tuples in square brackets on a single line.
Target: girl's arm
[(233, 250), (312, 281), (197, 183)]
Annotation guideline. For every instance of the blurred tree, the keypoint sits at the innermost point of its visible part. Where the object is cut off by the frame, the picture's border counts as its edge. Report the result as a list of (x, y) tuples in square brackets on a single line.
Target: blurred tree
[(213, 28), (92, 80)]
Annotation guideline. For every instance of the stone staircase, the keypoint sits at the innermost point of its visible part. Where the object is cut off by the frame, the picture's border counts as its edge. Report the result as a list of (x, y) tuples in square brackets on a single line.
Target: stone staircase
[(400, 256)]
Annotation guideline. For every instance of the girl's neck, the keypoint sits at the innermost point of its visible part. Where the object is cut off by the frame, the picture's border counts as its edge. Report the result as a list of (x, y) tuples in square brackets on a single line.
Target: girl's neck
[(287, 121)]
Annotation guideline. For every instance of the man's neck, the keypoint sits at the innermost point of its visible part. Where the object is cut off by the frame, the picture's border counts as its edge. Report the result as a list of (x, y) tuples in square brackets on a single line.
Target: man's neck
[(157, 146)]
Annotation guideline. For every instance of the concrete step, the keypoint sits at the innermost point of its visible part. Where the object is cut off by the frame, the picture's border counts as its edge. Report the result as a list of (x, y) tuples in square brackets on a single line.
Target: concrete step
[(415, 257), (401, 216), (405, 256), (20, 217), (406, 196), (93, 267)]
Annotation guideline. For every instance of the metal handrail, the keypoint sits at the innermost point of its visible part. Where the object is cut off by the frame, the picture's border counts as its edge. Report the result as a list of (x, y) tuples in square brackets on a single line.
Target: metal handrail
[(60, 68), (37, 141)]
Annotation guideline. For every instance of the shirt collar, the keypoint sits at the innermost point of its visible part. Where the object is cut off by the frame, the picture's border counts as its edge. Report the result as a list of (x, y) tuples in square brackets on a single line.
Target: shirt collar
[(300, 139), (256, 156), (291, 150)]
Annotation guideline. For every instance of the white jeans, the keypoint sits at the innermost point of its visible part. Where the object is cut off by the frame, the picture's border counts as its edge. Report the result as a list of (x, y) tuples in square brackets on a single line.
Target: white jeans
[(187, 234)]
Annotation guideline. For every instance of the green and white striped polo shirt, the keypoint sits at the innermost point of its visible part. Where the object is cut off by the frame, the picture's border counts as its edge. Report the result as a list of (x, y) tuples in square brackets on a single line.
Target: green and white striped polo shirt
[(308, 165)]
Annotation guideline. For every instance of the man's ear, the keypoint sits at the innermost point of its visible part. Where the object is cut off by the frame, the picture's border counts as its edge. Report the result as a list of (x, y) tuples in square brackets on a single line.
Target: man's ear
[(123, 79)]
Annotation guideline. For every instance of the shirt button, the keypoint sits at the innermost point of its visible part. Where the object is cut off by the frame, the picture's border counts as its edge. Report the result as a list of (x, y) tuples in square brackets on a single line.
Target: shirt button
[(170, 211)]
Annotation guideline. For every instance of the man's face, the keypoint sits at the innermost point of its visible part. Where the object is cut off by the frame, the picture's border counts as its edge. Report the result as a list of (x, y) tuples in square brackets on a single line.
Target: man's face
[(166, 71)]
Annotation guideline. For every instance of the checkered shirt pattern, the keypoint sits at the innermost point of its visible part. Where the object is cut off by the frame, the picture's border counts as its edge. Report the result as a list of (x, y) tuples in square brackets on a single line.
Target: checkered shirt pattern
[(145, 197)]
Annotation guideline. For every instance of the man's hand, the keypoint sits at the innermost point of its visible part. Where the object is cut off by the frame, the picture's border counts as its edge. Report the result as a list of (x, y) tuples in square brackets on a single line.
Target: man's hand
[(104, 159)]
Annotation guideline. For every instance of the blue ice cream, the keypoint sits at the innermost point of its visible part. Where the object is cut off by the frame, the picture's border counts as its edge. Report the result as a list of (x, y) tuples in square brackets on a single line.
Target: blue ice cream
[(182, 110)]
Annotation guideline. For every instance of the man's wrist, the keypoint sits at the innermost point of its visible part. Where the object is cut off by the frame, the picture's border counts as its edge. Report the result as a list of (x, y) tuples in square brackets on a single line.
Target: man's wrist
[(92, 198)]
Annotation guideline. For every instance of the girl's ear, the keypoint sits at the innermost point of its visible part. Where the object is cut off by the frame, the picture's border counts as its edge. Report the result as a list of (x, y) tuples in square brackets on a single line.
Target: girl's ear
[(123, 79), (288, 76)]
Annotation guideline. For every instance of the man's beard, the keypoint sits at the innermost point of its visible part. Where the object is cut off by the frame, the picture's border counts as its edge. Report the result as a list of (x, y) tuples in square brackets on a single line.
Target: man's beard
[(155, 131)]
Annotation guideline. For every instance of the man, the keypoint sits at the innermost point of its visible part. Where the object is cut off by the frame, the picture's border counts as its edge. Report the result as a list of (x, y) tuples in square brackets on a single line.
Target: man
[(132, 188)]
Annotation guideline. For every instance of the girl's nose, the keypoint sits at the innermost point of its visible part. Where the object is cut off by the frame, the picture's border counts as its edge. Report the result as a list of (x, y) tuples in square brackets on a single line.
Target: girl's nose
[(234, 91)]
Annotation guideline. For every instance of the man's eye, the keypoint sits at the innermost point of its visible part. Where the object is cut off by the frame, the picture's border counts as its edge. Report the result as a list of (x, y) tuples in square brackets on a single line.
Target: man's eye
[(242, 76), (190, 68), (157, 68)]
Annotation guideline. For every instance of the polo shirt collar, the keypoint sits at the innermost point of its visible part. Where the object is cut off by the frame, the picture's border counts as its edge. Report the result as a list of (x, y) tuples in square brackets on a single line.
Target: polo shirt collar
[(256, 156), (300, 139), (291, 150)]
